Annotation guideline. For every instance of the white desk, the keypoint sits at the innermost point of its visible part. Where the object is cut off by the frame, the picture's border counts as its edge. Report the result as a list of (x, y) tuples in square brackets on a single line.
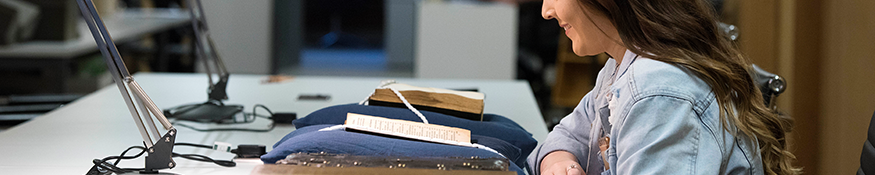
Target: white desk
[(65, 141)]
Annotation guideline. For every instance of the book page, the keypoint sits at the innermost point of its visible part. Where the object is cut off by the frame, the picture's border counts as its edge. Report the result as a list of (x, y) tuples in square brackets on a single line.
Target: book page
[(408, 129), (466, 94)]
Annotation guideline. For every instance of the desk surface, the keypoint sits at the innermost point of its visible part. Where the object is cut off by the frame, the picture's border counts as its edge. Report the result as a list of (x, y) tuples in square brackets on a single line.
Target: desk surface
[(123, 26), (98, 125)]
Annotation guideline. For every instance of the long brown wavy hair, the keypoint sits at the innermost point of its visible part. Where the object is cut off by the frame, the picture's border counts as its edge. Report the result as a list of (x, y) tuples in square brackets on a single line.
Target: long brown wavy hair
[(685, 33)]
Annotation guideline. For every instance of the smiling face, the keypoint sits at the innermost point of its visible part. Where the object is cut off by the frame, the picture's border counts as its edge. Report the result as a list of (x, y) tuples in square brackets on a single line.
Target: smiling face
[(583, 25)]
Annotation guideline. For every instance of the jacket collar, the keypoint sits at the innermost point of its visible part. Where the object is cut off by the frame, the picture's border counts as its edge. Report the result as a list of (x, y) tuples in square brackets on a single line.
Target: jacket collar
[(628, 58)]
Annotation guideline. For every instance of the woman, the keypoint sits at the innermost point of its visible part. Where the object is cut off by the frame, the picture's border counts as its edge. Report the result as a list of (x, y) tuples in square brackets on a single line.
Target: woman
[(675, 98)]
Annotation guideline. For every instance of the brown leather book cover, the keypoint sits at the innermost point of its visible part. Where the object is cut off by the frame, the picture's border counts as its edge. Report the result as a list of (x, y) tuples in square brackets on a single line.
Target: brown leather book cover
[(468, 105)]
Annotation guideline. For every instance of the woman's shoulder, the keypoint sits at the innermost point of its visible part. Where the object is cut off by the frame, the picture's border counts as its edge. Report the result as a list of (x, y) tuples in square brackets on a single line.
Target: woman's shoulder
[(648, 77)]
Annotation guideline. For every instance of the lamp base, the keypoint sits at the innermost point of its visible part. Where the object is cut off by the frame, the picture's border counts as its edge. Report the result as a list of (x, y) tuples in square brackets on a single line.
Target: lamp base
[(152, 172), (160, 155), (205, 112)]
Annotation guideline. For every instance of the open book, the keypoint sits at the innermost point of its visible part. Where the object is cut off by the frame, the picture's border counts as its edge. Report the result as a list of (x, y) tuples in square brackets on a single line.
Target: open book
[(462, 104), (408, 129)]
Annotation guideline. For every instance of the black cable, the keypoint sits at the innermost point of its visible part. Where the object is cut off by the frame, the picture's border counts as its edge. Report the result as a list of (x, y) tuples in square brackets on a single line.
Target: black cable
[(187, 107), (263, 107), (246, 148), (122, 156), (202, 158), (247, 118), (262, 116), (270, 128), (105, 166), (193, 145), (101, 166), (102, 163)]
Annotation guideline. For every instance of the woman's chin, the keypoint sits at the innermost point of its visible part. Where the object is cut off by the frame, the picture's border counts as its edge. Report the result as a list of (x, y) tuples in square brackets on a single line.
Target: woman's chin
[(583, 52)]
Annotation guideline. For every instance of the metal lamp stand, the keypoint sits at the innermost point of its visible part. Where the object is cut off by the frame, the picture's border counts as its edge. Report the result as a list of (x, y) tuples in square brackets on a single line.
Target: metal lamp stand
[(159, 149)]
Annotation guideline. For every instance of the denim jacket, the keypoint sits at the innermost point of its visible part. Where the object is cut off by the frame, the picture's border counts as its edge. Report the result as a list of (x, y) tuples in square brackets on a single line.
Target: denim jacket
[(659, 118)]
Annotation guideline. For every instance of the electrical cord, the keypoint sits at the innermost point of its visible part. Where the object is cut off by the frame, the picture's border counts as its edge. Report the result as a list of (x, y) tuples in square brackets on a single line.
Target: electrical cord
[(189, 107), (247, 118), (202, 158), (270, 128), (193, 145), (102, 166)]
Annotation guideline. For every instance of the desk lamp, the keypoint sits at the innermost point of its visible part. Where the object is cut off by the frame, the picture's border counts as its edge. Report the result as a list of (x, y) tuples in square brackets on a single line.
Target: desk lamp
[(159, 148), (213, 110)]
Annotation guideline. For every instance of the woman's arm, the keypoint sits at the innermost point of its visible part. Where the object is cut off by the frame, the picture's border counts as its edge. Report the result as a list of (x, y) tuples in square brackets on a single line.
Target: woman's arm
[(569, 136), (659, 135), (561, 162)]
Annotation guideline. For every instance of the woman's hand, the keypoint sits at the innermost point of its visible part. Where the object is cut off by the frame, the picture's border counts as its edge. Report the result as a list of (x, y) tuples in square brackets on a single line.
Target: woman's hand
[(561, 163)]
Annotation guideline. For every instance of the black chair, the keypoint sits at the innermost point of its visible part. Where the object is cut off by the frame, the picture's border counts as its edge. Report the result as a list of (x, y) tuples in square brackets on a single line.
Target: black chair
[(770, 85), (867, 158)]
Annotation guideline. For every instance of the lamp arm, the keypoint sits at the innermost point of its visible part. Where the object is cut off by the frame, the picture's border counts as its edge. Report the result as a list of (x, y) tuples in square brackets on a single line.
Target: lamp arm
[(217, 90), (138, 91), (161, 149)]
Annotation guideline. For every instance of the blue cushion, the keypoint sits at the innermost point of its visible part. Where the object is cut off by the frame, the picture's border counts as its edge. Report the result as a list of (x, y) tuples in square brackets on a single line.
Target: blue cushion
[(495, 126), (310, 140)]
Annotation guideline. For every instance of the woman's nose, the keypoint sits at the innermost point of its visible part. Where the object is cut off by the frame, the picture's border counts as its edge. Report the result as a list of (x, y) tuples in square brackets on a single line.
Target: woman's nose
[(547, 10)]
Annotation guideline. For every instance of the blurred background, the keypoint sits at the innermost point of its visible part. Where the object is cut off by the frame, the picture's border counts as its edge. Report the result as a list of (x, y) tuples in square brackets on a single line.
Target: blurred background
[(824, 49)]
